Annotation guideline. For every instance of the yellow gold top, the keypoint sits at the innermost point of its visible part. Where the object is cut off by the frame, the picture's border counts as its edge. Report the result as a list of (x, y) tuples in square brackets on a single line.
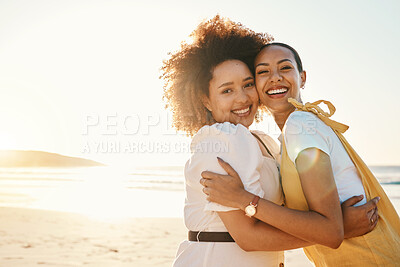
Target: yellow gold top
[(380, 247)]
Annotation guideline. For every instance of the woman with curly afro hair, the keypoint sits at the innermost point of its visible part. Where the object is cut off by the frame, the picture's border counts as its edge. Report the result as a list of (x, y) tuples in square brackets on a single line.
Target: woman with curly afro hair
[(187, 73), (209, 87)]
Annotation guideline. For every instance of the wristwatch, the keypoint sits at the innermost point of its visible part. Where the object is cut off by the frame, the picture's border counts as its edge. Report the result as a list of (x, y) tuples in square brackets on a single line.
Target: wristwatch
[(250, 210)]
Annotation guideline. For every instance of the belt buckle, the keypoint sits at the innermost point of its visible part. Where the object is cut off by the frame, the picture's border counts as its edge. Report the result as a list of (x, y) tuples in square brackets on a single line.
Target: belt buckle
[(197, 236)]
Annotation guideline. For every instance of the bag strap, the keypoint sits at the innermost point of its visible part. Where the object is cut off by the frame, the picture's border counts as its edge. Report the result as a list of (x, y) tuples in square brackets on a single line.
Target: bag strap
[(265, 146)]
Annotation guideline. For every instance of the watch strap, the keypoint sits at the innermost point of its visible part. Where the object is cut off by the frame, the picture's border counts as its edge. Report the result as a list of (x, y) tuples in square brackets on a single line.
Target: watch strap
[(255, 200)]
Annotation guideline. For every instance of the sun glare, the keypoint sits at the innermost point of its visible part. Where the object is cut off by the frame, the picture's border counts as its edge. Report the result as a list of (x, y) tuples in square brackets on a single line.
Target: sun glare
[(102, 195), (7, 142)]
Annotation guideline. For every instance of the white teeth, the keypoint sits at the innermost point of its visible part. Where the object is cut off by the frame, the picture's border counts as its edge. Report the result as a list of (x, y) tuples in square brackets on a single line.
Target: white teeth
[(277, 91), (242, 111)]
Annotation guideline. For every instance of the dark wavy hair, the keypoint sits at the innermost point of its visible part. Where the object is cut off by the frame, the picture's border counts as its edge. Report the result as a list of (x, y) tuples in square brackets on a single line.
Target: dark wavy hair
[(294, 52), (188, 71)]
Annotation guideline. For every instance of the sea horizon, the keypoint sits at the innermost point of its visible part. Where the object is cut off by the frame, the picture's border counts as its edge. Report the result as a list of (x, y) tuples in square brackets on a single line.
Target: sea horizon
[(107, 192)]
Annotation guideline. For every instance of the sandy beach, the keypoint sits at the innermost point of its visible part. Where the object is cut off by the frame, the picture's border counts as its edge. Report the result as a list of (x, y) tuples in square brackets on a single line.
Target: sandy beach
[(30, 237), (109, 226)]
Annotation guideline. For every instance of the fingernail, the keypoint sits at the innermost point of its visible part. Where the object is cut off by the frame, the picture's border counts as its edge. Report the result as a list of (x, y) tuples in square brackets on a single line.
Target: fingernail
[(379, 198)]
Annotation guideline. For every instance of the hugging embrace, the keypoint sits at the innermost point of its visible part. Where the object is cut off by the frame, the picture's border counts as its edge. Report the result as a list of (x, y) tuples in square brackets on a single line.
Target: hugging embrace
[(248, 203)]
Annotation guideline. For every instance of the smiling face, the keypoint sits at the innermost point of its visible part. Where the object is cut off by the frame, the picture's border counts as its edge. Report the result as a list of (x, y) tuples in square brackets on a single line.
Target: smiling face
[(232, 93), (278, 78)]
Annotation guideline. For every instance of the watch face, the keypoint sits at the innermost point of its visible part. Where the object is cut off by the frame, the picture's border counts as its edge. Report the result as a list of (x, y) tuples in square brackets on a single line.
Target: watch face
[(250, 210)]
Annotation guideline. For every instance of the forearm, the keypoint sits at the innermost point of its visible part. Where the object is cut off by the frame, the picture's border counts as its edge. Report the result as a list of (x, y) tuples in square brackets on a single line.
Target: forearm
[(306, 225), (254, 235), (268, 238)]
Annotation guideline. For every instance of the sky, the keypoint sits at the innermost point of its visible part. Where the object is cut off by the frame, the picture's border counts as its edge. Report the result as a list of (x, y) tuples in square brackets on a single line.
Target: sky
[(81, 78)]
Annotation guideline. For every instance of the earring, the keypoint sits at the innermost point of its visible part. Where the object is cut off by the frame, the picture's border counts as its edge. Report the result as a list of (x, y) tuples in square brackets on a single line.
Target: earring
[(209, 115)]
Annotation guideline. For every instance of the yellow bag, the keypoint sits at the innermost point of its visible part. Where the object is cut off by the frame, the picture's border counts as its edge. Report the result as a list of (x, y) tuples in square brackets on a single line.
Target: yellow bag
[(380, 247)]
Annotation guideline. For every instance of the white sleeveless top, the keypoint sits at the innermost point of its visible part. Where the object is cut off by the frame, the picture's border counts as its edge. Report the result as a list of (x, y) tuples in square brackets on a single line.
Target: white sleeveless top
[(236, 145)]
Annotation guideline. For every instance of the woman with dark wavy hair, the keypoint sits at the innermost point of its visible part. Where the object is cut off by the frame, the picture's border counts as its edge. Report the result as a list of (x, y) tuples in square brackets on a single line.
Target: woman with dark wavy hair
[(319, 171)]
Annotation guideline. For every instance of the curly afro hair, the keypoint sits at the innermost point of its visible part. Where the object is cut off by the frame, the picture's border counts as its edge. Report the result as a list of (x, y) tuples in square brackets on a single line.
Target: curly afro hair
[(187, 73)]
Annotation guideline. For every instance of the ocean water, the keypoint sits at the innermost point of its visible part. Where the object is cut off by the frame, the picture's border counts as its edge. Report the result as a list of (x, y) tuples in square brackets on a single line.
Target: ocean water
[(109, 193), (101, 192)]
